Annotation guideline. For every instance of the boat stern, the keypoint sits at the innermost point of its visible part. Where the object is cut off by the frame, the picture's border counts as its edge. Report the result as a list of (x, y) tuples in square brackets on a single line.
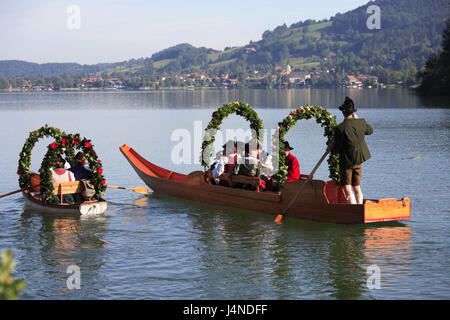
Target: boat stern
[(387, 210)]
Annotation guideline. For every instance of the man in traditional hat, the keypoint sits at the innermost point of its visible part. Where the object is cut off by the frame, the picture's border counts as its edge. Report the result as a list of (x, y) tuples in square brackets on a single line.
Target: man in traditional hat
[(349, 143), (292, 163), (79, 170)]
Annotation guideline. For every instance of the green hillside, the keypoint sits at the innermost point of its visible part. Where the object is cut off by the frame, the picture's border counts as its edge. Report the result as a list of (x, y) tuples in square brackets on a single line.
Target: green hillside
[(410, 33)]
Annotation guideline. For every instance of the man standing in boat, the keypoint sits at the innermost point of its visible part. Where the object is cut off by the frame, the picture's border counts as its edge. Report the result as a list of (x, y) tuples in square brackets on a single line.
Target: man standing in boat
[(349, 143)]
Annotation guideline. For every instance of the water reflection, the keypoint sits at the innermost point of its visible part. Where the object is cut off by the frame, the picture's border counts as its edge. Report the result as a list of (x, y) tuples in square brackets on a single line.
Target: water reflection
[(60, 241), (245, 255), (390, 249), (345, 264), (209, 98)]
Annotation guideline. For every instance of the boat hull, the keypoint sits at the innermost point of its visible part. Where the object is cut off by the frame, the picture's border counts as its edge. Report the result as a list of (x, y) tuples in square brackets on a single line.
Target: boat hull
[(84, 209), (319, 201)]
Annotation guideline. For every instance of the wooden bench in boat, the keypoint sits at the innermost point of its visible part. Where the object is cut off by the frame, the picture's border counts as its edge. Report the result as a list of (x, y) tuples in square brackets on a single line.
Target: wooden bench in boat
[(254, 181), (60, 189), (232, 180)]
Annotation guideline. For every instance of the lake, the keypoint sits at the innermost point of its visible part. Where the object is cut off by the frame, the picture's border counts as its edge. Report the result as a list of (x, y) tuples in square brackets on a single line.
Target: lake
[(158, 247)]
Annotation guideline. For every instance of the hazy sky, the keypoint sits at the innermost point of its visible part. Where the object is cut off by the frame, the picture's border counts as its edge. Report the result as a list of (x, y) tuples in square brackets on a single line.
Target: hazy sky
[(111, 31)]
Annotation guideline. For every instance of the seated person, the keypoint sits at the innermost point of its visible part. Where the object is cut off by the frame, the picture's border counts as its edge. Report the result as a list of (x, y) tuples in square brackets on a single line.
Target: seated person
[(59, 174), (78, 168), (66, 164), (226, 161), (266, 163), (292, 164), (250, 165)]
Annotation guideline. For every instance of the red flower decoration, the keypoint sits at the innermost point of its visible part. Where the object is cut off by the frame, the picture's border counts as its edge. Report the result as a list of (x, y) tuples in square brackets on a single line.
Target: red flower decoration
[(87, 145), (19, 172), (64, 142), (75, 141), (100, 170), (84, 160), (54, 145), (103, 182)]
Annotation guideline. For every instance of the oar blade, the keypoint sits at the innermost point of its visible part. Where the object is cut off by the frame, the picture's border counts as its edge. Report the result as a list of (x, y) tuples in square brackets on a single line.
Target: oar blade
[(141, 190), (278, 219)]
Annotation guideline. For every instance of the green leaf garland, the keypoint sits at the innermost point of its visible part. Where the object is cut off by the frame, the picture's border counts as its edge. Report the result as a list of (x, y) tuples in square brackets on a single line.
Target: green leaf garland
[(324, 118), (65, 144), (240, 109)]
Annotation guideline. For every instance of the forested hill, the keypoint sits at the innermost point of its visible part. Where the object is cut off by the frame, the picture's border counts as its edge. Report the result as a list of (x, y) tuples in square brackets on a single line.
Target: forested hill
[(410, 33)]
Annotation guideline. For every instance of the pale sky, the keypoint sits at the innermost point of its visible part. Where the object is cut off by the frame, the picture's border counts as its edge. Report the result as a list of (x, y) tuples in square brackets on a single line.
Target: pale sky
[(112, 31)]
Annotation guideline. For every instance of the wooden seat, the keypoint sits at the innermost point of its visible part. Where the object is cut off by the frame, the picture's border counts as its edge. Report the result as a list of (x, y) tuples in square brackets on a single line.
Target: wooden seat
[(67, 188), (244, 179)]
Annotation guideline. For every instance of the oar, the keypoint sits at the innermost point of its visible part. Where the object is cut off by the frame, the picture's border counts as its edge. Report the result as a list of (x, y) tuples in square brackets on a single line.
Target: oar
[(142, 190), (17, 191), (281, 215)]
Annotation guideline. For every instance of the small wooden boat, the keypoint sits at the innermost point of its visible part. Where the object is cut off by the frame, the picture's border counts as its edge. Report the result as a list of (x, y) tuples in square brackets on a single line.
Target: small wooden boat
[(94, 207), (320, 200)]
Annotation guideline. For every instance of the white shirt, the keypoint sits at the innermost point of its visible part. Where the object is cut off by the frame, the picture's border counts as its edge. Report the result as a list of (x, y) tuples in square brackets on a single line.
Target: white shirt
[(220, 167), (268, 162), (62, 175)]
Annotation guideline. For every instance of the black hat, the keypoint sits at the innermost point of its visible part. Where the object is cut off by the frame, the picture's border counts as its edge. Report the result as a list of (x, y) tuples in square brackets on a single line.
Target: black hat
[(287, 146), (348, 106), (79, 157)]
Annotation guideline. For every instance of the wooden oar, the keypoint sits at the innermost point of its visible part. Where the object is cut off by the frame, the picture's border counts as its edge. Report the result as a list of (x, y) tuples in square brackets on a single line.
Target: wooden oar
[(281, 215), (17, 191), (141, 190)]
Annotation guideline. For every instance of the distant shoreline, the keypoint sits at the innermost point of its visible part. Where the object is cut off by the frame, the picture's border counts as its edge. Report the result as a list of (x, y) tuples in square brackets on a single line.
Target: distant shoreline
[(185, 89)]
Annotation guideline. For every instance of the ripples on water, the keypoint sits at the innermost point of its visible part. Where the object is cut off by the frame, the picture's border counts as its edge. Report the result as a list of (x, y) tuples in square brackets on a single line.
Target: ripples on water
[(158, 247)]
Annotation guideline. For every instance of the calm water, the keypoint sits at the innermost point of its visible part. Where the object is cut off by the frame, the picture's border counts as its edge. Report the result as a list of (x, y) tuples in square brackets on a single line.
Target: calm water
[(157, 247)]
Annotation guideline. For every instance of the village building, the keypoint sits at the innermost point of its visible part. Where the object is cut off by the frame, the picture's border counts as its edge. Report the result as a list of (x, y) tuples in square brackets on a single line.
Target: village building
[(352, 82)]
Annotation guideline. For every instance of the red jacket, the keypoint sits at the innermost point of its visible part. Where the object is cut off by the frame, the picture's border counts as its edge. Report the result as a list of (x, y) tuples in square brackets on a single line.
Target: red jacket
[(293, 168)]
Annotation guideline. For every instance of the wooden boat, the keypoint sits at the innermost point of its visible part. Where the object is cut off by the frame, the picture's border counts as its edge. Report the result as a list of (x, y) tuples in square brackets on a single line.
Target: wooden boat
[(320, 200), (94, 207)]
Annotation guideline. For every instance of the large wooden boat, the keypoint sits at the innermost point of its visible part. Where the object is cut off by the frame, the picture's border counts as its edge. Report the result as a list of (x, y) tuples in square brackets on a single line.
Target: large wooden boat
[(320, 200), (94, 207)]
